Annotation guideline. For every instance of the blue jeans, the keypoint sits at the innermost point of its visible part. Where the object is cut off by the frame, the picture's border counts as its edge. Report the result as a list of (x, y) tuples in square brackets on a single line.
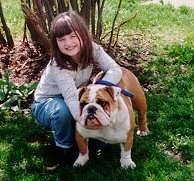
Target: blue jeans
[(53, 114)]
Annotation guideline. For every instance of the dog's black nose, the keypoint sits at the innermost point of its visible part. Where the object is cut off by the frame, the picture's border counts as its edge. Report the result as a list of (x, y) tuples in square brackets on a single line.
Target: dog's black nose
[(91, 110)]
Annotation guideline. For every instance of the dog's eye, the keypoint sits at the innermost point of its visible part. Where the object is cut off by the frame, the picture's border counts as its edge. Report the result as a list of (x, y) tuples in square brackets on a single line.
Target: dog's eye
[(102, 103), (82, 104)]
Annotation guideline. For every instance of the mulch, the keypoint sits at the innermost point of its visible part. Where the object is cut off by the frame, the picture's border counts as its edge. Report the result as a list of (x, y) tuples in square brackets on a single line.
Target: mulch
[(24, 62)]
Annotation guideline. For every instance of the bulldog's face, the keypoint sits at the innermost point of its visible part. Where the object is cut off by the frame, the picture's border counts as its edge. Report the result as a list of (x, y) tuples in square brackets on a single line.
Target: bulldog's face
[(98, 105)]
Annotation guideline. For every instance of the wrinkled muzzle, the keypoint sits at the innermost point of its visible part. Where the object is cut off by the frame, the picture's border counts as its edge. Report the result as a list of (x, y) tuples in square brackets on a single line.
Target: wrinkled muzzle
[(94, 117)]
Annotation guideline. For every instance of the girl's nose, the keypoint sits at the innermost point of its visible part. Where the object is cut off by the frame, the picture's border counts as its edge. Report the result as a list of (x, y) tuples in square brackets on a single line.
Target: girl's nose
[(68, 42)]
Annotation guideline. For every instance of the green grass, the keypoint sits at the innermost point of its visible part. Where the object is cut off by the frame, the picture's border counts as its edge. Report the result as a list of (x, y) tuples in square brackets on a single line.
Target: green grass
[(167, 154), (162, 25)]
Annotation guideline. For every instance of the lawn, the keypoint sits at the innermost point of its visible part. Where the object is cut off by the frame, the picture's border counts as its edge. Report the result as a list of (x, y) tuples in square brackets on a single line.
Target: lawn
[(167, 73)]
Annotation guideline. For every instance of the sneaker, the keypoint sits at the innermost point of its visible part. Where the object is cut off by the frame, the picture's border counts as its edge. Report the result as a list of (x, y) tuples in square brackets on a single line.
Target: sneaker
[(54, 156), (52, 167)]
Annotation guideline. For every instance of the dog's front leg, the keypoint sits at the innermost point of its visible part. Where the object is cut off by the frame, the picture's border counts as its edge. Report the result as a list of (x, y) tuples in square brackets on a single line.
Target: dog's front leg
[(83, 156), (126, 160)]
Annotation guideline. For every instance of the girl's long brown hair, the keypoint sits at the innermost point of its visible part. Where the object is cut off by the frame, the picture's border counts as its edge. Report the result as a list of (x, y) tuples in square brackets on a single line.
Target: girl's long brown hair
[(64, 24)]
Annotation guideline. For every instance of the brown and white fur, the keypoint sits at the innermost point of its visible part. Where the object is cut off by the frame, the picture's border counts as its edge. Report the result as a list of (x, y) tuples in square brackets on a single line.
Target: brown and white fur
[(108, 115)]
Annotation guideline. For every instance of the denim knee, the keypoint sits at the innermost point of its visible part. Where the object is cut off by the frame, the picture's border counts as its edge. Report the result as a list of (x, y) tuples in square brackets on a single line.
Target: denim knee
[(61, 119), (54, 114), (41, 114), (62, 125)]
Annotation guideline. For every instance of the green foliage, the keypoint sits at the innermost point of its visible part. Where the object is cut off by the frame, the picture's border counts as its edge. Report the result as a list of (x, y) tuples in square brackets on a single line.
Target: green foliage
[(11, 95), (184, 54)]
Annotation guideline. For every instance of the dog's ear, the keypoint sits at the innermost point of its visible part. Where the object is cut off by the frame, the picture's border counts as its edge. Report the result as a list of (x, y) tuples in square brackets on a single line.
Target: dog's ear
[(113, 91), (81, 90), (98, 76)]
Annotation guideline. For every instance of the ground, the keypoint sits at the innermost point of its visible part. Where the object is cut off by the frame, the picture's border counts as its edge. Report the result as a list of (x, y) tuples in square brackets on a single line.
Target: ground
[(24, 62)]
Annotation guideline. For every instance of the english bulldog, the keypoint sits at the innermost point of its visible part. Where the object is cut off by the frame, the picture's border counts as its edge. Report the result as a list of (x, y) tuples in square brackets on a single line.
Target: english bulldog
[(107, 115)]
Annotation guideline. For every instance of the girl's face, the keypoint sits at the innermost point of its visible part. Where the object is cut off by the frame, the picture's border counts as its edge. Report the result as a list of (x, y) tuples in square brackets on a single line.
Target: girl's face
[(70, 45)]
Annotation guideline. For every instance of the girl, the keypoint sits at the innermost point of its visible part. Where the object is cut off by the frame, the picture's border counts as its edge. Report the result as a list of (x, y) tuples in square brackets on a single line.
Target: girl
[(56, 105)]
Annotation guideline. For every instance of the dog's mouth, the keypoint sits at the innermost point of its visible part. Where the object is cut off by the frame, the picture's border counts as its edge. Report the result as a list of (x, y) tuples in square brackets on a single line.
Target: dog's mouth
[(92, 122)]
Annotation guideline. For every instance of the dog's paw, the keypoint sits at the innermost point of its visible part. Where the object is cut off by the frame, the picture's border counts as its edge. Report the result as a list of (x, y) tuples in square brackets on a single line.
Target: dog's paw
[(142, 133), (127, 163), (81, 160)]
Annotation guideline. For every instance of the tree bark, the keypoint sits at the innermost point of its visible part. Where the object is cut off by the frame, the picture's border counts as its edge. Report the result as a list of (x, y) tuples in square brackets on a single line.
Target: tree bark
[(85, 11), (6, 29), (49, 14), (99, 20), (37, 31), (113, 25), (2, 39), (74, 5), (93, 18)]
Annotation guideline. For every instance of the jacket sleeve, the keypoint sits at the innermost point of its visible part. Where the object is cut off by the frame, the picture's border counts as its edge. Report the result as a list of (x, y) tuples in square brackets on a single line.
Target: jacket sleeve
[(113, 72), (68, 89)]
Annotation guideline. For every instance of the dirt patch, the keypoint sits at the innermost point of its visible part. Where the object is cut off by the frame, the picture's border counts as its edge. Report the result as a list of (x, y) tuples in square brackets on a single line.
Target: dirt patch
[(24, 62)]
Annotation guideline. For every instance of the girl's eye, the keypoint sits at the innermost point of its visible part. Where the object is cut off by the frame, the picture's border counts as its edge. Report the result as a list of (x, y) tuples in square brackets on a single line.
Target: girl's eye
[(73, 36), (60, 39)]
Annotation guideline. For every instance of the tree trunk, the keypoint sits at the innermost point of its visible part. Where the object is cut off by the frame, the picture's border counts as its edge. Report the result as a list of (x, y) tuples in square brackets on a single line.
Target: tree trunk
[(8, 35), (74, 5), (85, 11), (99, 20), (93, 18), (37, 31), (2, 39)]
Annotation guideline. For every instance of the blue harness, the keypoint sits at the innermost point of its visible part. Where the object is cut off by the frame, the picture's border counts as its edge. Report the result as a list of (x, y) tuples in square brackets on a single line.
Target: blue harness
[(123, 91)]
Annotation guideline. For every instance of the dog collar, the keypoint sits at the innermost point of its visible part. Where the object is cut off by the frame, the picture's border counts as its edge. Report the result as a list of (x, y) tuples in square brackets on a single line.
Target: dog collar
[(123, 91)]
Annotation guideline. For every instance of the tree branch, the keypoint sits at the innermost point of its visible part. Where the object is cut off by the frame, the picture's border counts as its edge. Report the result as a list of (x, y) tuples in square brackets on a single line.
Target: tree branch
[(113, 24)]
